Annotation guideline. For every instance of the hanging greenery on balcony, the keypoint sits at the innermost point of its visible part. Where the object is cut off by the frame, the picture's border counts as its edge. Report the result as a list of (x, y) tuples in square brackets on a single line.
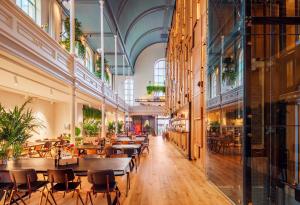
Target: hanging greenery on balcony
[(155, 88), (78, 37), (98, 72), (91, 113), (229, 73)]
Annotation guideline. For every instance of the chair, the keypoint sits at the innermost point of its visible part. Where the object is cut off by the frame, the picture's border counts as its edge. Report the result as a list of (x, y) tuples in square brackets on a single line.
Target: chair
[(133, 153), (6, 186), (145, 145), (26, 181), (103, 182), (91, 151), (62, 180), (46, 149)]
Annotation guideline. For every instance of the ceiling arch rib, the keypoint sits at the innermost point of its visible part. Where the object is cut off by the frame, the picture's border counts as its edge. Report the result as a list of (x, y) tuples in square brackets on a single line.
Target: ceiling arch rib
[(141, 16), (142, 36)]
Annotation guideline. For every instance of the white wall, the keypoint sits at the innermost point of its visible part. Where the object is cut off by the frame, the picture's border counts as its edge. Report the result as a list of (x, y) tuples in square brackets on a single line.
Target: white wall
[(42, 110), (143, 70)]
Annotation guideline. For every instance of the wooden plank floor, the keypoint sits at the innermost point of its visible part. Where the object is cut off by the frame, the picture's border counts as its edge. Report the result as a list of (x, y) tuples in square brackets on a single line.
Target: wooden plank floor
[(164, 177)]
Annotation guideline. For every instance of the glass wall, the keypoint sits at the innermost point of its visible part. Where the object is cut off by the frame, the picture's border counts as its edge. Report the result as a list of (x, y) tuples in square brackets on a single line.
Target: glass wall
[(272, 93), (224, 162)]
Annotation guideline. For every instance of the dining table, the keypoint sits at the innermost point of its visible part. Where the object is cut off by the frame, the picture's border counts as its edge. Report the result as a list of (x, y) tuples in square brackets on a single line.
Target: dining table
[(42, 165), (128, 139)]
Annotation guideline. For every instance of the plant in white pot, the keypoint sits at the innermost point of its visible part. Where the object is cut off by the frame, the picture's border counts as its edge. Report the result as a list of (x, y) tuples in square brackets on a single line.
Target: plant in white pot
[(16, 126)]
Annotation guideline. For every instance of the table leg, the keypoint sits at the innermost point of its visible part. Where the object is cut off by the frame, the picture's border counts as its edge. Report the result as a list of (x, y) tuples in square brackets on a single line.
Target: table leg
[(128, 183)]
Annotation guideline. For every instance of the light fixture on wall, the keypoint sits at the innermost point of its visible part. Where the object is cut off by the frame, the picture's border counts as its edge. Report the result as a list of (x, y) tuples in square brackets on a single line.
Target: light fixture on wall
[(16, 82)]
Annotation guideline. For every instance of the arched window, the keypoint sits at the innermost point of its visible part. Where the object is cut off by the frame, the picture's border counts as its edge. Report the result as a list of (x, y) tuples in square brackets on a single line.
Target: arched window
[(128, 91), (160, 72), (32, 8)]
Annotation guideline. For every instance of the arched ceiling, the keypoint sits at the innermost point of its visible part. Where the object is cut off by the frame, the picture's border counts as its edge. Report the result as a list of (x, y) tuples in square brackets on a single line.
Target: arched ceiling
[(138, 24)]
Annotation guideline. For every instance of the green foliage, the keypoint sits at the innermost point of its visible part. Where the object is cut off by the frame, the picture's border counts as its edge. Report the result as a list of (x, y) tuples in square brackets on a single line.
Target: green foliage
[(155, 88), (99, 74), (111, 127), (229, 73), (78, 140), (77, 131), (78, 34), (120, 126), (214, 126), (16, 126), (91, 127), (91, 113)]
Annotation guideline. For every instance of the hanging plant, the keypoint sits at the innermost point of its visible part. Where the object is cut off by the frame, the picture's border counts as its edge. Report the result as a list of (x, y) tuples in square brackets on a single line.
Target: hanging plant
[(155, 88), (91, 113), (229, 73), (78, 35), (98, 72)]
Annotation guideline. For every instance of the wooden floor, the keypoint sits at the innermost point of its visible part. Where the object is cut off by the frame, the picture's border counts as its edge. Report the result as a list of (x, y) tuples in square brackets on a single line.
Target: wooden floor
[(164, 177)]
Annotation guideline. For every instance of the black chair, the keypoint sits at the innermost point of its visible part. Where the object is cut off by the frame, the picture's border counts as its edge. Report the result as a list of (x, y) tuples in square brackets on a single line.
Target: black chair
[(26, 181), (103, 182), (145, 145), (133, 153), (62, 180)]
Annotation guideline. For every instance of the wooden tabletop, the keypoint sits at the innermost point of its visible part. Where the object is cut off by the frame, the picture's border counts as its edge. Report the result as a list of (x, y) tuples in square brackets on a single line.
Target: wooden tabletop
[(82, 147), (128, 139), (127, 146), (42, 164)]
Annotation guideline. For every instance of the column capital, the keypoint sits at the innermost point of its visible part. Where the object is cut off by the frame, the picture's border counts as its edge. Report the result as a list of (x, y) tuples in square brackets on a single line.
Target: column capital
[(101, 2)]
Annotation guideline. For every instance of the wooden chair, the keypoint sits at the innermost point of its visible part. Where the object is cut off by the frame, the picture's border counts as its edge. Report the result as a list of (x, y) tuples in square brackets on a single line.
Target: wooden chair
[(62, 180), (6, 186), (91, 151), (103, 182), (26, 181)]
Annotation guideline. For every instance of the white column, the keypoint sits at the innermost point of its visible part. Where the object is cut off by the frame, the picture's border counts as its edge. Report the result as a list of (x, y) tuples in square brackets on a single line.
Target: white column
[(72, 26), (116, 120), (102, 38), (116, 62), (103, 131)]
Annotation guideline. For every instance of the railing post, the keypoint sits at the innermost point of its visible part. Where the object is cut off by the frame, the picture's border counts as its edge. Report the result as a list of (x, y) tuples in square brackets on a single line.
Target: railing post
[(73, 100)]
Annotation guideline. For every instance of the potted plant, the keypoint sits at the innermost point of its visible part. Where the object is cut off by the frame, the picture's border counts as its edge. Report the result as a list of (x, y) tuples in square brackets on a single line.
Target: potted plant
[(155, 88), (91, 127), (16, 126), (98, 72), (78, 37), (78, 138), (110, 129), (229, 74), (120, 127)]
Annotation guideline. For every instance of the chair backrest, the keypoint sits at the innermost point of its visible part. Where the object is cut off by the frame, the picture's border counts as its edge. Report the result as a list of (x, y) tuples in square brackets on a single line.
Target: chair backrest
[(130, 152), (60, 175), (5, 177), (101, 177), (108, 151), (118, 156), (91, 151), (48, 145), (23, 176)]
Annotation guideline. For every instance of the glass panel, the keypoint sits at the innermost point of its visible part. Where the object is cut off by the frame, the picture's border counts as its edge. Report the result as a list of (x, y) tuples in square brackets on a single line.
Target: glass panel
[(273, 81), (224, 160)]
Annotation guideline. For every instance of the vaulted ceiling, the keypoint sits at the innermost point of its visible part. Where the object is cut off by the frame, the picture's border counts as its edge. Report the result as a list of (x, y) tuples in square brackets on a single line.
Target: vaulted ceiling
[(138, 24)]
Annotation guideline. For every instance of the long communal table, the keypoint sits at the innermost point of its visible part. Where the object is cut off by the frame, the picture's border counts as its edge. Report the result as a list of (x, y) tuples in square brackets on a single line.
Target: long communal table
[(42, 165), (128, 139)]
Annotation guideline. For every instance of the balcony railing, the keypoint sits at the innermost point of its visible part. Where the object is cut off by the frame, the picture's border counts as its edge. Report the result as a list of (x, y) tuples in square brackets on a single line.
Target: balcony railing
[(231, 96), (21, 36)]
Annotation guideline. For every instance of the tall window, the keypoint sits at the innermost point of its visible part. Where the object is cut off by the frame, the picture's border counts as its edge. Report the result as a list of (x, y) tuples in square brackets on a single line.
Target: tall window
[(128, 91), (31, 8), (160, 72)]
